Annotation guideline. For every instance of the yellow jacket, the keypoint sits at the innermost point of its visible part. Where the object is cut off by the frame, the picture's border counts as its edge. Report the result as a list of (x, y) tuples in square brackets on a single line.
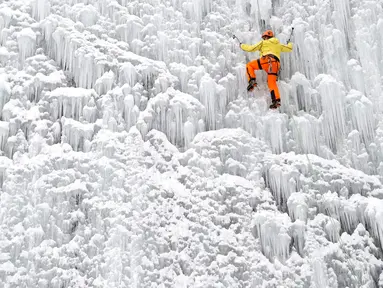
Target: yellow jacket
[(269, 46)]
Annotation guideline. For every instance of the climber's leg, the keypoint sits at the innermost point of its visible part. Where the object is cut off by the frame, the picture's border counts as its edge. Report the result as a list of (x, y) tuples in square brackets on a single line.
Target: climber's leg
[(250, 72)]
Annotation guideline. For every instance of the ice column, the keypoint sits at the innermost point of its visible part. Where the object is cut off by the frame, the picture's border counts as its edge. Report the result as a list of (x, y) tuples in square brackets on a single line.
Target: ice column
[(26, 41), (298, 231), (332, 229), (275, 131), (335, 54), (208, 99), (4, 133), (367, 49), (5, 162), (5, 93), (272, 230), (69, 101), (105, 83), (312, 55), (131, 111), (77, 134), (5, 17), (90, 111), (301, 92), (355, 75), (40, 9), (332, 99), (341, 16), (185, 116), (359, 110), (282, 183), (306, 130), (319, 267), (128, 74), (373, 216), (131, 29), (298, 207)]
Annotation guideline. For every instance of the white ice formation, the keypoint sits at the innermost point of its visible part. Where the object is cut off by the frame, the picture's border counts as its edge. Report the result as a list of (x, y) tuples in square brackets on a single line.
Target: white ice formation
[(131, 154)]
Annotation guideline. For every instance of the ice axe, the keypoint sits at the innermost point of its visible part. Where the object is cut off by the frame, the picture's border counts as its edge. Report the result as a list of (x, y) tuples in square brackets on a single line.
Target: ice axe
[(235, 37), (291, 34)]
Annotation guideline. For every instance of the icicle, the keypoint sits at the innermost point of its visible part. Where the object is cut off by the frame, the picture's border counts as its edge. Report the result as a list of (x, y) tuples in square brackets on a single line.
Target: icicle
[(105, 83), (298, 232), (271, 228), (330, 204), (161, 84), (306, 131), (84, 76), (355, 75), (275, 131), (208, 99), (42, 82), (230, 84), (131, 29), (5, 163), (56, 132), (162, 47), (300, 92), (6, 15), (148, 75), (75, 133), (131, 111), (69, 102), (335, 54), (332, 229), (5, 55), (189, 132), (15, 144), (281, 182), (26, 41), (40, 9), (332, 99), (182, 72), (128, 74), (184, 107), (4, 133), (349, 218), (313, 56), (112, 124), (35, 145), (359, 110), (298, 207), (373, 216), (320, 278), (90, 111), (5, 93)]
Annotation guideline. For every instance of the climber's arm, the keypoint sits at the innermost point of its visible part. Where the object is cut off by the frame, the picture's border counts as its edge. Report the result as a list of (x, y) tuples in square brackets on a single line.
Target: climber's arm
[(252, 48), (287, 48)]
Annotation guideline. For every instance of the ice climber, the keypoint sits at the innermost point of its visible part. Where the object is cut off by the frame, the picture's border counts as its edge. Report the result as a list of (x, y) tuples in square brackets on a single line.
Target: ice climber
[(270, 49)]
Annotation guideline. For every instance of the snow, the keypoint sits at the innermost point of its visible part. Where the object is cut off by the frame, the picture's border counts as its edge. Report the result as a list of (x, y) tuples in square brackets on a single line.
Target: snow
[(131, 154)]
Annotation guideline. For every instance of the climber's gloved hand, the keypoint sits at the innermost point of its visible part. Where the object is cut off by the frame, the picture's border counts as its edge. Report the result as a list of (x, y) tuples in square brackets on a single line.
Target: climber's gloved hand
[(252, 84)]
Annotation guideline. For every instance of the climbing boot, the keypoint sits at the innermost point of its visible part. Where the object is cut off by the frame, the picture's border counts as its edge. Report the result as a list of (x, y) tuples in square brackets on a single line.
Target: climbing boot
[(275, 104)]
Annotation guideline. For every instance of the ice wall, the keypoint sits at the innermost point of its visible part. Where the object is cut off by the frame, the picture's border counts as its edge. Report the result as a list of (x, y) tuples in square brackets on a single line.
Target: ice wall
[(125, 158)]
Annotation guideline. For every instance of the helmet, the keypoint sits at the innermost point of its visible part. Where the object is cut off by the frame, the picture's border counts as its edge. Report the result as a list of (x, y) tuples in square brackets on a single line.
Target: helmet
[(268, 33)]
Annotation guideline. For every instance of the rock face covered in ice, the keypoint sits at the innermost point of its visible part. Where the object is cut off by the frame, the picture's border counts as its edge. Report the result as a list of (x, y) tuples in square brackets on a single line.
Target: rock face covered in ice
[(131, 154)]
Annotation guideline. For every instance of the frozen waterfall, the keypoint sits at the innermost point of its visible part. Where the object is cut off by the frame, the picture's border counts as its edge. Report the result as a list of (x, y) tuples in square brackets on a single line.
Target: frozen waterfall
[(131, 154)]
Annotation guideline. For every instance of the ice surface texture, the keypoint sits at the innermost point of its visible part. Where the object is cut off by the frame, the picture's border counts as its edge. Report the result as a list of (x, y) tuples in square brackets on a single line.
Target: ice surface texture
[(131, 154)]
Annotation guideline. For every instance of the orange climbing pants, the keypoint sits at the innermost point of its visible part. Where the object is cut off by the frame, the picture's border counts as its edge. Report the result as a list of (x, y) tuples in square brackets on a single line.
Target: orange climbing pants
[(271, 65)]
